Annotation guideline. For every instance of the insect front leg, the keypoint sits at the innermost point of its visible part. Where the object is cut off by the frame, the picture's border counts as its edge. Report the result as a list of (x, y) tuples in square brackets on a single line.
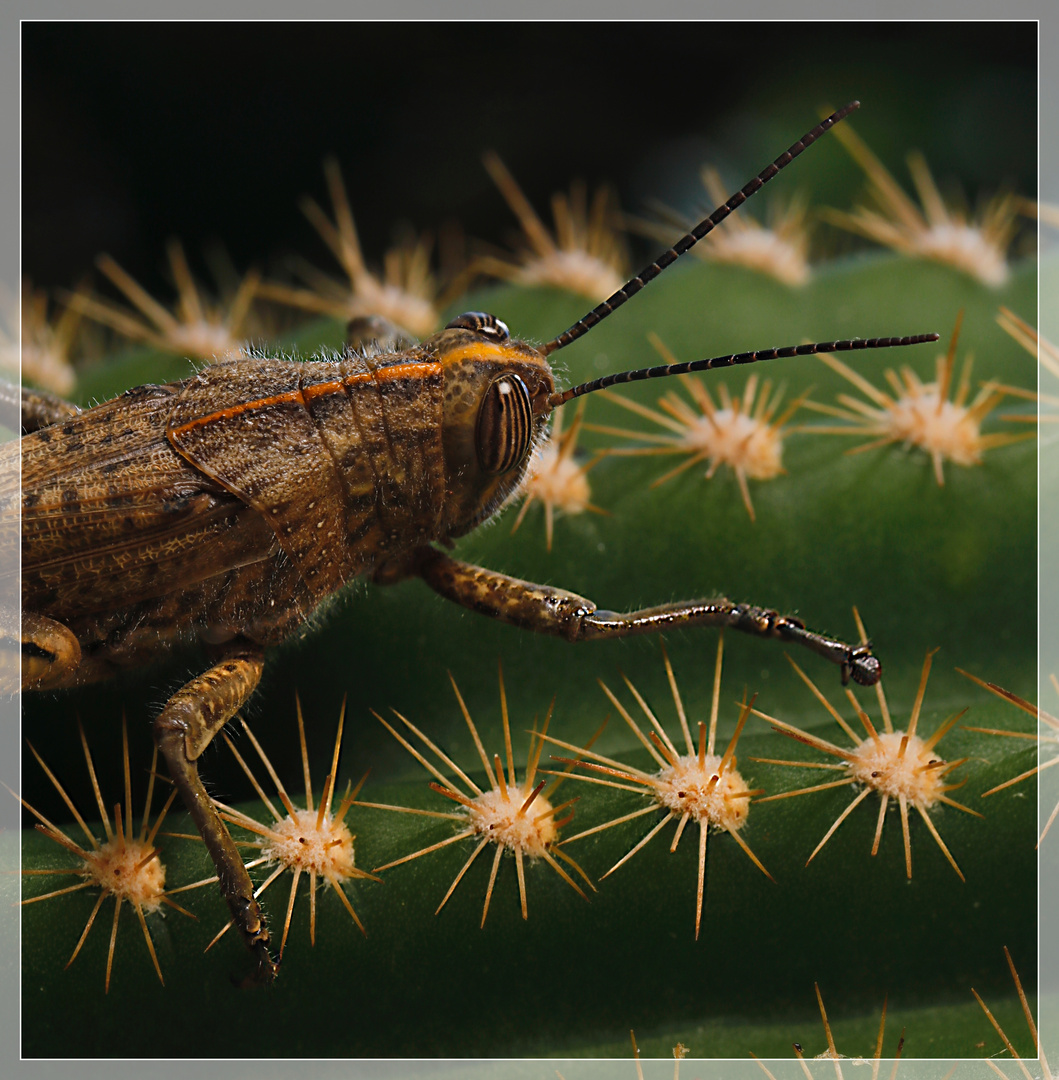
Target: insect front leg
[(567, 615), (183, 730)]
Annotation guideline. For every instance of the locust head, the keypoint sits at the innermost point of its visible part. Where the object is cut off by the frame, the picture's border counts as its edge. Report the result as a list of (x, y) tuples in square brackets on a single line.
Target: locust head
[(495, 410), (499, 393)]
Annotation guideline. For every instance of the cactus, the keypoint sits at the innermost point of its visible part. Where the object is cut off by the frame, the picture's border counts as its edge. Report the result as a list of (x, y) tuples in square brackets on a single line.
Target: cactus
[(949, 567)]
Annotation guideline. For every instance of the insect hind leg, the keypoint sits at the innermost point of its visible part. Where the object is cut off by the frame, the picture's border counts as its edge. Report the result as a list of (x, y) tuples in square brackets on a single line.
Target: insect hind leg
[(41, 409)]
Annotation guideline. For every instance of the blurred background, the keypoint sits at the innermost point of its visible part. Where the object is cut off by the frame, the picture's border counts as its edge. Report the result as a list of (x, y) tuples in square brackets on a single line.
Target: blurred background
[(134, 133)]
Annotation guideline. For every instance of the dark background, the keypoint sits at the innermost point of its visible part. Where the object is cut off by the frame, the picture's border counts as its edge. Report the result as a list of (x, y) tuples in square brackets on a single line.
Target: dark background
[(135, 132)]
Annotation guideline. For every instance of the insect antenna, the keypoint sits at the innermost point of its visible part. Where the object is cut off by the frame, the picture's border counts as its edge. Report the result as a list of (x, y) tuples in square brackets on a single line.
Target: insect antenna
[(731, 359), (649, 273)]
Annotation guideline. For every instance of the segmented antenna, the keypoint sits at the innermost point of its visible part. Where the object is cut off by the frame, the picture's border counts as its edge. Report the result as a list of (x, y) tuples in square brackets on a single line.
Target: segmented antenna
[(648, 274), (731, 360)]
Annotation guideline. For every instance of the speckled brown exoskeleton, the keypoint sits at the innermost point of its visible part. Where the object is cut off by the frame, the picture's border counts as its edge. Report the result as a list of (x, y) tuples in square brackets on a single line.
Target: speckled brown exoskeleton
[(229, 506)]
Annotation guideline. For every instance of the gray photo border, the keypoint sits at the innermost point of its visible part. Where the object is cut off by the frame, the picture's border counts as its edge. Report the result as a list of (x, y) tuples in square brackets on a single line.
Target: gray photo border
[(1048, 320)]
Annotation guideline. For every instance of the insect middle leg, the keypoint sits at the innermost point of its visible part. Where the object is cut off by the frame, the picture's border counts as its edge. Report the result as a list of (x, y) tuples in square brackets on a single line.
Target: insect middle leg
[(183, 730), (567, 615), (376, 334)]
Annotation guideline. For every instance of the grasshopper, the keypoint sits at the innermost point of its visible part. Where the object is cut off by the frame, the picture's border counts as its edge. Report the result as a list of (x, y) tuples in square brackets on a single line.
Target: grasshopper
[(230, 505)]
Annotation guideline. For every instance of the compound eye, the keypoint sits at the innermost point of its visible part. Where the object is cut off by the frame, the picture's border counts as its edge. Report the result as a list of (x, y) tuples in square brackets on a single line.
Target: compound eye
[(505, 424), (485, 324)]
